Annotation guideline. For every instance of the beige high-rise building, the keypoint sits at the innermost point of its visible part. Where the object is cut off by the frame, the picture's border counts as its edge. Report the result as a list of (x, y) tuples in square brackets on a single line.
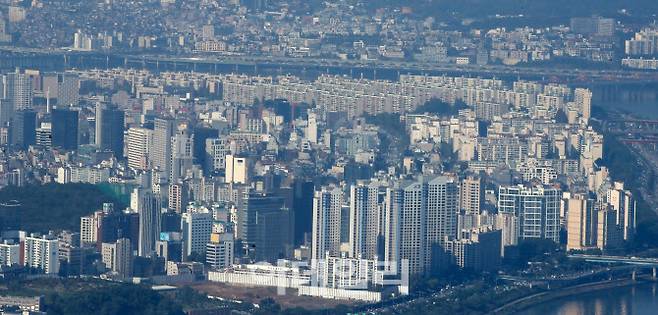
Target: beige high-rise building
[(623, 202), (176, 197), (583, 100), (118, 256), (581, 223), (470, 195), (89, 230), (138, 144), (608, 234), (236, 170), (508, 223)]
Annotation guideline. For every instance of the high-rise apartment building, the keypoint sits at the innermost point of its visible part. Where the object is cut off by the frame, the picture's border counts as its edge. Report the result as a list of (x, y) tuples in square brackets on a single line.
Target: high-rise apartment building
[(537, 209), (41, 252), (19, 90), (583, 100), (581, 223), (470, 195), (623, 202), (326, 228), (420, 215), (177, 197), (9, 254), (182, 158), (365, 219), (598, 26), (608, 234)]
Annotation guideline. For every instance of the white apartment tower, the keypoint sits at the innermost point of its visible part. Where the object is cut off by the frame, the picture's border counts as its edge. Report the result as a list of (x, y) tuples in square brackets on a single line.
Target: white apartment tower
[(364, 220), (420, 214), (537, 209), (327, 204), (470, 195), (9, 254), (41, 252)]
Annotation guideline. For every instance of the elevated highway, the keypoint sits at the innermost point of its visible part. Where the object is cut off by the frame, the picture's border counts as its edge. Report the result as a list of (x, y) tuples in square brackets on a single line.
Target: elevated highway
[(19, 56)]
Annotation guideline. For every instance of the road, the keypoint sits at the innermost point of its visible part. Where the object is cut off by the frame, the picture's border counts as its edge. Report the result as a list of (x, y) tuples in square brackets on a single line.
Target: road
[(568, 74)]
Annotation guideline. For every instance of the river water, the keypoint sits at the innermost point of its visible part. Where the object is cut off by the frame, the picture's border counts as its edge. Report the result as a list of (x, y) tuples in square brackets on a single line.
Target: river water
[(632, 300), (638, 99)]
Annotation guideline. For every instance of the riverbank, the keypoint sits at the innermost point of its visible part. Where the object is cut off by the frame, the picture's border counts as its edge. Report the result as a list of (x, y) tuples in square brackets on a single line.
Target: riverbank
[(542, 297)]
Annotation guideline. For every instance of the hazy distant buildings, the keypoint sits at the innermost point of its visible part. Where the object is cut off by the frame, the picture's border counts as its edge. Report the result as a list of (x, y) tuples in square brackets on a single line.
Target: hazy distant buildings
[(593, 26)]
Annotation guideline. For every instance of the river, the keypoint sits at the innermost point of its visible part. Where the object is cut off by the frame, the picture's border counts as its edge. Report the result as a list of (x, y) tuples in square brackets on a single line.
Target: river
[(638, 99), (632, 300)]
